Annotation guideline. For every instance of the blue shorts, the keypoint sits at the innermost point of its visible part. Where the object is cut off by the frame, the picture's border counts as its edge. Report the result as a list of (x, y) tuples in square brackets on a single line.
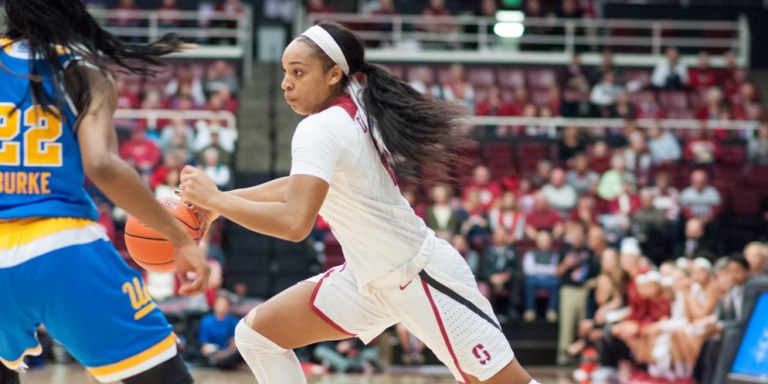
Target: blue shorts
[(65, 274)]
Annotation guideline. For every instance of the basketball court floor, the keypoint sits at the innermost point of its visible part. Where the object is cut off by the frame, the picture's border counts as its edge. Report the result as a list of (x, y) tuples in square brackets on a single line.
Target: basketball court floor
[(74, 374)]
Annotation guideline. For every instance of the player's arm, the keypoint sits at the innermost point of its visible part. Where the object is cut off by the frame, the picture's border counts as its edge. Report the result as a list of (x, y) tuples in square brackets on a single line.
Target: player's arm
[(270, 191), (291, 219), (121, 183)]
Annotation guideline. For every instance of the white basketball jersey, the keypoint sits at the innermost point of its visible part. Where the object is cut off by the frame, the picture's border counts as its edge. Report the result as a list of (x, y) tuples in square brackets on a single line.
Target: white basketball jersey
[(378, 230)]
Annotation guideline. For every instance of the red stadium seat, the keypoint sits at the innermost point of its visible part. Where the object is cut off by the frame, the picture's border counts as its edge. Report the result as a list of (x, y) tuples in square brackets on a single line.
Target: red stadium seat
[(541, 78), (481, 77), (674, 100), (511, 78), (745, 202)]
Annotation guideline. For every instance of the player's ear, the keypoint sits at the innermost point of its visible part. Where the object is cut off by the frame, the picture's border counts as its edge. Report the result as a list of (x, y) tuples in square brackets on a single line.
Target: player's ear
[(335, 75)]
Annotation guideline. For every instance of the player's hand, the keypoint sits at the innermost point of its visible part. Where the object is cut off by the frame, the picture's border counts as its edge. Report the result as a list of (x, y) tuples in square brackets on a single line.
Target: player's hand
[(192, 269), (197, 188), (205, 216)]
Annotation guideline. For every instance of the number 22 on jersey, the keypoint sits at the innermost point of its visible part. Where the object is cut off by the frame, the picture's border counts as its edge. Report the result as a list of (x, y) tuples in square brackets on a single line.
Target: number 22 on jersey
[(39, 141)]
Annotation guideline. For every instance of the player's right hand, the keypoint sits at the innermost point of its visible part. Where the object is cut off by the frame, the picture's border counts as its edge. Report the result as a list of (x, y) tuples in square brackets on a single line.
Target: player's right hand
[(192, 269)]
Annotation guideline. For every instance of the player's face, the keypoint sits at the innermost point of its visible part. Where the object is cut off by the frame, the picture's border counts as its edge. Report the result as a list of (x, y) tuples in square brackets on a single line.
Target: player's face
[(307, 86)]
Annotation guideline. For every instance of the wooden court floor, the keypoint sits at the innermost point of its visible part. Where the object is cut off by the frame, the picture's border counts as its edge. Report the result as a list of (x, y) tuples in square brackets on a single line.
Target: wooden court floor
[(74, 374)]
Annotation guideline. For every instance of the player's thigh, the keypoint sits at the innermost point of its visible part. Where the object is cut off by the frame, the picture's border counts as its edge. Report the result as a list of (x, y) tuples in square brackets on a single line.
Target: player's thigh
[(325, 307), (99, 308)]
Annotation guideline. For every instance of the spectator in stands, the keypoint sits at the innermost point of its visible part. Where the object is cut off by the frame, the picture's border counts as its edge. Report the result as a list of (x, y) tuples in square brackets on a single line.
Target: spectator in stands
[(624, 108), (612, 182), (525, 195), (702, 149), (543, 218), (233, 8), (580, 177), (423, 82), (560, 195), (604, 95), (700, 200), (505, 214), (220, 75), (319, 6), (670, 73), (746, 104), (696, 244), (471, 256), (488, 190), (169, 185), (222, 100), (440, 216), (571, 143), (713, 105), (664, 147), (350, 355), (186, 77), (169, 15), (178, 133), (577, 266), (122, 16), (534, 10), (215, 169), (575, 85), (648, 107), (140, 152), (519, 101), (700, 302), (493, 105), (502, 273), (648, 222), (207, 129), (585, 211), (606, 65), (666, 197), (184, 95), (540, 267), (757, 145), (457, 88), (600, 157), (596, 240), (543, 172), (703, 77), (637, 157), (437, 9), (125, 98), (732, 84), (386, 7), (474, 219), (225, 157), (153, 99), (756, 254), (217, 336), (626, 203)]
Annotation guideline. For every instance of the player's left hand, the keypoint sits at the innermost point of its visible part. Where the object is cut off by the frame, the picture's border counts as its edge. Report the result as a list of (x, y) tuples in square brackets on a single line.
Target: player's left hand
[(197, 188)]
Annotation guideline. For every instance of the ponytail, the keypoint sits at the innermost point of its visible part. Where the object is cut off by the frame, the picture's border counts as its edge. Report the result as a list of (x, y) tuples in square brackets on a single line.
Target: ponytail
[(46, 24), (416, 128)]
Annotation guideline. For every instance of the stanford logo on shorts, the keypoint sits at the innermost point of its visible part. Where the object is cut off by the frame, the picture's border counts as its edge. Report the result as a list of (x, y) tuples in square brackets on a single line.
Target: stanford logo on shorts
[(481, 354)]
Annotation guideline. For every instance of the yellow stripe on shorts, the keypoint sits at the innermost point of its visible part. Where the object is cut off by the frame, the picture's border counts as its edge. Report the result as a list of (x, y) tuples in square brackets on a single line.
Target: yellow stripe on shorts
[(18, 232), (135, 359)]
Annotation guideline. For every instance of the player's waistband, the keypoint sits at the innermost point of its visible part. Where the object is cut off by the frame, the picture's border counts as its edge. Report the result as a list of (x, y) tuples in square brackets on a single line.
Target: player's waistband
[(24, 239)]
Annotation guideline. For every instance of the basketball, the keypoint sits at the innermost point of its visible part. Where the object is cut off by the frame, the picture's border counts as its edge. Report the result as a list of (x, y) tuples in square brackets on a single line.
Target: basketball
[(149, 248)]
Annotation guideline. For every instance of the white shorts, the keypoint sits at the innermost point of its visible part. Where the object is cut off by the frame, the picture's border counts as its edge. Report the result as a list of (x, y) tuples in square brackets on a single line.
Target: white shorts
[(442, 307)]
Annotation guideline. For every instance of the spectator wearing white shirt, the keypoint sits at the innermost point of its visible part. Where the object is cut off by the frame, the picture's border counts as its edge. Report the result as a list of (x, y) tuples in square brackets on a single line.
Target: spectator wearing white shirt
[(664, 147), (700, 200), (560, 195), (605, 93), (540, 267), (215, 169), (670, 73)]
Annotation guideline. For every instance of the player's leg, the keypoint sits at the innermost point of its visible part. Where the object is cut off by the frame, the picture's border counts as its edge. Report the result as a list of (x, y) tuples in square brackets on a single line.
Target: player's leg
[(8, 376), (98, 308), (303, 314)]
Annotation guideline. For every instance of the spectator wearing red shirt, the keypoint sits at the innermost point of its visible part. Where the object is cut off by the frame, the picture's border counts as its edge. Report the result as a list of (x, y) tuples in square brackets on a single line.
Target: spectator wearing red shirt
[(702, 149), (600, 157), (543, 218), (627, 203), (122, 16), (703, 77), (125, 98), (493, 105), (437, 8), (140, 152), (731, 85), (585, 211), (170, 164), (649, 108), (713, 105), (745, 105), (169, 15), (488, 190), (319, 6)]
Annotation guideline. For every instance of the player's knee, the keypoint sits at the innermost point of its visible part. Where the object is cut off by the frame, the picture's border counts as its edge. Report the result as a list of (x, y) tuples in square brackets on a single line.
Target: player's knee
[(250, 342)]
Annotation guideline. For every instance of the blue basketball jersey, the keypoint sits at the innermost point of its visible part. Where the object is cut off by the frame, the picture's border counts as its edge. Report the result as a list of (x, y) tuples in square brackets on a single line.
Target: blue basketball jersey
[(41, 172)]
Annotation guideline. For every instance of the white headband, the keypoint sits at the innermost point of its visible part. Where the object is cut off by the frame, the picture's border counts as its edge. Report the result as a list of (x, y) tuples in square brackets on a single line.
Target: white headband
[(325, 41)]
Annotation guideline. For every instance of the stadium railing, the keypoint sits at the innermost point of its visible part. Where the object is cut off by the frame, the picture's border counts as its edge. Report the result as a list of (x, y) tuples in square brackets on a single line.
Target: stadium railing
[(234, 43), (634, 42)]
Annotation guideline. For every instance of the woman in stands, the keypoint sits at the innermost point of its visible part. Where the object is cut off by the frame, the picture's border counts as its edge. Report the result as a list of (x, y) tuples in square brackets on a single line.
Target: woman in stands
[(57, 266), (396, 270)]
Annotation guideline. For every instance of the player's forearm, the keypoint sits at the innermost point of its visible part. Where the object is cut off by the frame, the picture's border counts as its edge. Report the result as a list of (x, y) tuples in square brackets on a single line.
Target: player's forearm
[(276, 219), (272, 191), (123, 186)]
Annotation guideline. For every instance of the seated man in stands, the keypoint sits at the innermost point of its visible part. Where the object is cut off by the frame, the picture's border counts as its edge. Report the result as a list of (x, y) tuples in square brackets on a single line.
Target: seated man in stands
[(700, 200), (502, 275), (217, 336), (670, 73), (543, 218), (540, 267)]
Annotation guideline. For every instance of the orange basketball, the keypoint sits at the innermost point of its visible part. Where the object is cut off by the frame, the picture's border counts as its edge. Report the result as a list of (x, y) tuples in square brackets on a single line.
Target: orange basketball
[(149, 248)]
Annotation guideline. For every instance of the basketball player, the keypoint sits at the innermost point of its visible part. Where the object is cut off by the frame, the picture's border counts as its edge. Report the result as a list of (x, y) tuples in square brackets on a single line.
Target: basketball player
[(57, 266), (396, 269)]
